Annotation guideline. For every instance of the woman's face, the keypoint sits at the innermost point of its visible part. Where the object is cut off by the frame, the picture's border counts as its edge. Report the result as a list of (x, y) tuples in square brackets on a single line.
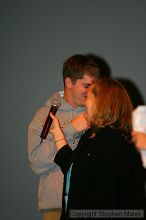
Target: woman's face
[(89, 103)]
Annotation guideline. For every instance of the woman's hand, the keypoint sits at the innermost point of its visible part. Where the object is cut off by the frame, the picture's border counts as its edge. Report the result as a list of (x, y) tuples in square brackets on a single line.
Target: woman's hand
[(57, 132), (80, 122)]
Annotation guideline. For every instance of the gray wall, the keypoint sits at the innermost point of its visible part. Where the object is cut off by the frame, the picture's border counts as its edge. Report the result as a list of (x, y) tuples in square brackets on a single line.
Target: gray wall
[(36, 37)]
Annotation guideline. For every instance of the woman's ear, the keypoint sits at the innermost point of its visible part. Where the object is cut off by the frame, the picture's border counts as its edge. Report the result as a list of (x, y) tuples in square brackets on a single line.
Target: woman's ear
[(68, 82)]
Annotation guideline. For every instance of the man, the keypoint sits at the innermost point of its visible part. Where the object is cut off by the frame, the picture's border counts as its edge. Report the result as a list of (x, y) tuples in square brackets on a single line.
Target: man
[(79, 72)]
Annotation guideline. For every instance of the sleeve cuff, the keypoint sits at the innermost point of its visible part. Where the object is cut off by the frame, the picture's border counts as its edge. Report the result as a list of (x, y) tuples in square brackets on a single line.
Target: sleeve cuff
[(63, 158)]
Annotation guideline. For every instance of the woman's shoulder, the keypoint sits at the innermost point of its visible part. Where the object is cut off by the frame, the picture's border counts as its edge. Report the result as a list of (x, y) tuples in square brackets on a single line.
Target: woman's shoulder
[(110, 131), (112, 135)]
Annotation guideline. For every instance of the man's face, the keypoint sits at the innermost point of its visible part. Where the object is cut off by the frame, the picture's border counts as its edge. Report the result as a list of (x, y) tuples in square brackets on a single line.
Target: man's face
[(78, 90), (90, 103)]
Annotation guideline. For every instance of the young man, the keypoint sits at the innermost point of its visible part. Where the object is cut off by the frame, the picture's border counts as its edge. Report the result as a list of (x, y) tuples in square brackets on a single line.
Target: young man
[(79, 72)]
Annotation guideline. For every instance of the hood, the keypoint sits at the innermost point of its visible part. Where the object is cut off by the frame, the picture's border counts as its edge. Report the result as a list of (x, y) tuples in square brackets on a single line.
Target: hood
[(65, 106)]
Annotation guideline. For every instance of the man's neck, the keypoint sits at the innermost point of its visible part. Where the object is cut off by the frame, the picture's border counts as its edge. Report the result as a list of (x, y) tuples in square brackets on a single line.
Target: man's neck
[(67, 97)]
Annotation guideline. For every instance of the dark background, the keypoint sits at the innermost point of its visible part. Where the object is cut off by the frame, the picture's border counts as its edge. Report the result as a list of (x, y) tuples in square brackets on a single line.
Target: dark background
[(36, 37)]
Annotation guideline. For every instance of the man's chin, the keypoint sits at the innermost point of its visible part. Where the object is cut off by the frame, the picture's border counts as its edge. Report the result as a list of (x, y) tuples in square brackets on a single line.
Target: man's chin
[(82, 104)]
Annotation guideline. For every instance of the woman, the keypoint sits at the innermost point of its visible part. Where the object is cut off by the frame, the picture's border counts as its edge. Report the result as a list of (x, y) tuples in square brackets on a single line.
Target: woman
[(105, 170)]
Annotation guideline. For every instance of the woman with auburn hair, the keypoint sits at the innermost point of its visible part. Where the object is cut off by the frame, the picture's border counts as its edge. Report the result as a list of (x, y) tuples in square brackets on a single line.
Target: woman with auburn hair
[(105, 171), (112, 105)]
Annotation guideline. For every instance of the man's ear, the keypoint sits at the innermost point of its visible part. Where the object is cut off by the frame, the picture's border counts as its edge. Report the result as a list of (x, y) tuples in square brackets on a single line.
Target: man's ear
[(68, 82)]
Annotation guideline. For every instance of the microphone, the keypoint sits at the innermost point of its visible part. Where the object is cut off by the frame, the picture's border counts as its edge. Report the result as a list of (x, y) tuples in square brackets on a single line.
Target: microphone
[(53, 109)]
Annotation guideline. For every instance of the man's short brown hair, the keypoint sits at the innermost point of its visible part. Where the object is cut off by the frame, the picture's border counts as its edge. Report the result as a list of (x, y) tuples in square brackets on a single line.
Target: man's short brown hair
[(78, 65)]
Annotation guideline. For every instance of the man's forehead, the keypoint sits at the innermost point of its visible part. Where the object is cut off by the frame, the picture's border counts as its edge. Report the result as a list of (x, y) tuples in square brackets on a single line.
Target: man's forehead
[(88, 79)]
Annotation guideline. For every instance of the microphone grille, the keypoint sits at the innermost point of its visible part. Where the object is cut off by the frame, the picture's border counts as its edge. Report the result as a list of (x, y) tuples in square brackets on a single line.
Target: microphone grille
[(56, 103)]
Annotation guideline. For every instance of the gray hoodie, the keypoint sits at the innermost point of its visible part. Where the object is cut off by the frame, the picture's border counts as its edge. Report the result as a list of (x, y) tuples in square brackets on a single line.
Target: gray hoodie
[(42, 155)]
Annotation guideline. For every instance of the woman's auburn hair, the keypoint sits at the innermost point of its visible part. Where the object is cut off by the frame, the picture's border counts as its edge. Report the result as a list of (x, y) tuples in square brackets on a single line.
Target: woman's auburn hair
[(112, 107)]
